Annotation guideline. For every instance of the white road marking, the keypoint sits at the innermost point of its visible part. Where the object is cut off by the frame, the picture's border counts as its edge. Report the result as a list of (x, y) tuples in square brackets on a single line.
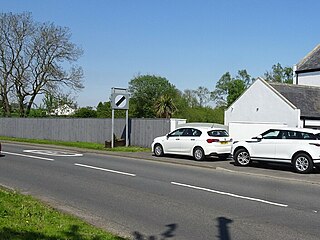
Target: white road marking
[(229, 194), (54, 153), (104, 169), (29, 156)]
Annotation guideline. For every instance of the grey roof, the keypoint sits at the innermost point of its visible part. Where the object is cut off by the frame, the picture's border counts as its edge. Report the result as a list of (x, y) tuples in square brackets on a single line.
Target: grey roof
[(311, 61), (305, 98)]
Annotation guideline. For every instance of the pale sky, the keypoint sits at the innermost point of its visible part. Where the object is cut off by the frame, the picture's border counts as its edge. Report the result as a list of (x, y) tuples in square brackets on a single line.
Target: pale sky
[(189, 42)]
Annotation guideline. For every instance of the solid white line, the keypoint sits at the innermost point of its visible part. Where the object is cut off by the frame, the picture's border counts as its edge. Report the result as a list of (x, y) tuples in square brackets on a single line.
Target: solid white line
[(230, 194), (22, 155), (104, 169)]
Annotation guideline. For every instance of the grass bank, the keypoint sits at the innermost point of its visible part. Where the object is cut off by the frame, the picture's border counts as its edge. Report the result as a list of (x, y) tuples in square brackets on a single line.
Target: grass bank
[(85, 145), (24, 218)]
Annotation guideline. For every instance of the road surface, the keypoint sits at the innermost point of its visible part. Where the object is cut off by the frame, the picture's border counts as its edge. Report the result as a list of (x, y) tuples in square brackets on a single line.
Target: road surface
[(143, 199)]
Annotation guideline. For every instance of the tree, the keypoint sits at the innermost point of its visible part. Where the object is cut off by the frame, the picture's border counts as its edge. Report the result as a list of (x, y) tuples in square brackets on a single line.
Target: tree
[(165, 107), (35, 58), (53, 101), (85, 112), (203, 95), (104, 111), (279, 74), (228, 89), (190, 98), (145, 91)]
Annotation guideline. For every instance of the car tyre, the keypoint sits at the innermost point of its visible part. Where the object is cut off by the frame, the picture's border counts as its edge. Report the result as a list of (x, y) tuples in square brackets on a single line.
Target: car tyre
[(158, 150), (242, 157), (302, 163), (198, 154)]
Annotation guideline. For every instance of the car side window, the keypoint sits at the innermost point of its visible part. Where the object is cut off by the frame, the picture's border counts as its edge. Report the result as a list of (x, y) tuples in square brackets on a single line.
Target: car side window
[(177, 133), (187, 132), (271, 134), (196, 132), (191, 132), (308, 136)]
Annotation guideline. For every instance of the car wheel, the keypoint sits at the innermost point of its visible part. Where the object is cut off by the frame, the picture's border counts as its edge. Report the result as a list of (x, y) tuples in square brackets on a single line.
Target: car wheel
[(158, 150), (302, 163), (198, 154), (242, 157)]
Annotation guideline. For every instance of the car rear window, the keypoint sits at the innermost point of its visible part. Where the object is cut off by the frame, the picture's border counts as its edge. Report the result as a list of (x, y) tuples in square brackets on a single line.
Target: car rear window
[(218, 133)]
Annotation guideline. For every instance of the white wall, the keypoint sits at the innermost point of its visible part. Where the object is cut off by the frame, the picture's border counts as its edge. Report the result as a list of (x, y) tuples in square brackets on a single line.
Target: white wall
[(311, 79), (261, 104), (246, 130)]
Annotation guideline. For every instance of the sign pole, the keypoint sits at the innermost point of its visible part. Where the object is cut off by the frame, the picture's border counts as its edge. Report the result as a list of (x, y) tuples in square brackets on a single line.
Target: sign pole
[(127, 128), (120, 101), (112, 129)]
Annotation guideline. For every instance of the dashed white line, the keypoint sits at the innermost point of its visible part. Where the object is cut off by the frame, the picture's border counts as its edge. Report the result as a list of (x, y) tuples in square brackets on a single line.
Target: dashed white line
[(229, 194), (29, 156), (104, 169)]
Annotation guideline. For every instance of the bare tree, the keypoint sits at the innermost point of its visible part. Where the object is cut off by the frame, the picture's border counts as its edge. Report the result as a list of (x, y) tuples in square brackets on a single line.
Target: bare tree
[(35, 59)]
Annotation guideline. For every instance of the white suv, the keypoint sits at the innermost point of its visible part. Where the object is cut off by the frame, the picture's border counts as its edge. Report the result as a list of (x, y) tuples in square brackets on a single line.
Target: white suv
[(194, 141), (297, 146)]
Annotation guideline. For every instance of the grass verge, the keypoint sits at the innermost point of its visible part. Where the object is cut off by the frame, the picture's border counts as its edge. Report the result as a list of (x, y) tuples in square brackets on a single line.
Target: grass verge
[(24, 218), (85, 145)]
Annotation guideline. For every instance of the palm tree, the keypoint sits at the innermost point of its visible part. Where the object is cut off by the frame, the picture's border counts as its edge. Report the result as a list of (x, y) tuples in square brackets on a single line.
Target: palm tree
[(165, 107)]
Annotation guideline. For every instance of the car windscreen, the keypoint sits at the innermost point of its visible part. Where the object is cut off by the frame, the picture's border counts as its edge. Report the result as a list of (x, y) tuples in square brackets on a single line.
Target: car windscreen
[(218, 133)]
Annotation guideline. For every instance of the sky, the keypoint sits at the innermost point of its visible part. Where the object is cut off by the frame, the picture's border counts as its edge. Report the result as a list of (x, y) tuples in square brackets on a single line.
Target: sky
[(191, 43)]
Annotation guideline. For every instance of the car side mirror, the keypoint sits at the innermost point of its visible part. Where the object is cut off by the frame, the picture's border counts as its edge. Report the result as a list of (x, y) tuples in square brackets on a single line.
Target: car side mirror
[(258, 138)]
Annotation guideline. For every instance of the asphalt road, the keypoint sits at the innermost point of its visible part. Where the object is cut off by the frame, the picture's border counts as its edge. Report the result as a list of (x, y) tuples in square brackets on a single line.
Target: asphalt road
[(143, 199)]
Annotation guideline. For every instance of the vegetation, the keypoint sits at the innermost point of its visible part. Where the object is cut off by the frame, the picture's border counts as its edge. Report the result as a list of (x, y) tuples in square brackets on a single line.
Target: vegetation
[(38, 59), (145, 91), (279, 74), (22, 217), (35, 58), (85, 145)]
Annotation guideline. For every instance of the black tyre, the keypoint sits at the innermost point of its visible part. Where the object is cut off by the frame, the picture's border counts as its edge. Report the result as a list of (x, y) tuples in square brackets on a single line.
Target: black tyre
[(158, 150), (242, 157), (302, 163), (198, 154)]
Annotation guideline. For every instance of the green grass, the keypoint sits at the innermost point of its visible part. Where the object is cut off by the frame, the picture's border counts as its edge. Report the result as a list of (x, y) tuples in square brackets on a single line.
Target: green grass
[(24, 218), (85, 145)]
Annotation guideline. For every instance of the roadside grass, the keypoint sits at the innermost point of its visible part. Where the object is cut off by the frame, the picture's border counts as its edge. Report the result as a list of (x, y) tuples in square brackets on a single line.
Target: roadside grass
[(85, 145), (24, 218)]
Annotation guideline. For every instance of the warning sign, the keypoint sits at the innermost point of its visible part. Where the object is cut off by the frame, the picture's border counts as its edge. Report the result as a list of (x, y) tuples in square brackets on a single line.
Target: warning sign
[(119, 100)]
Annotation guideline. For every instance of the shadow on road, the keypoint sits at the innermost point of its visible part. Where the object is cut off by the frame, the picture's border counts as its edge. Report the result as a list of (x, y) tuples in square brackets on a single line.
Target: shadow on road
[(275, 166), (224, 228), (190, 158), (168, 233)]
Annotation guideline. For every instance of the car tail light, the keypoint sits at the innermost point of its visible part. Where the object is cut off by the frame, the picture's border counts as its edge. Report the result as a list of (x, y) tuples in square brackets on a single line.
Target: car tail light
[(315, 144), (211, 140)]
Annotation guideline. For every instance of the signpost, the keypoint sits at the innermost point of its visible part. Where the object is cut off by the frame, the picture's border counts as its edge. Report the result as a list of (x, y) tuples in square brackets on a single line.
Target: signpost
[(120, 101)]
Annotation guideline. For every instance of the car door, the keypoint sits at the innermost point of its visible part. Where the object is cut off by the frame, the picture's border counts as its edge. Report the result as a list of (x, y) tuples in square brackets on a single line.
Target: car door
[(188, 140), (265, 148), (292, 141), (172, 144)]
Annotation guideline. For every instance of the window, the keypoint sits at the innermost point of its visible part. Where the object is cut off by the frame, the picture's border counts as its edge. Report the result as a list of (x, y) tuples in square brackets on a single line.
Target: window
[(271, 134), (308, 136), (218, 133), (191, 132), (177, 132)]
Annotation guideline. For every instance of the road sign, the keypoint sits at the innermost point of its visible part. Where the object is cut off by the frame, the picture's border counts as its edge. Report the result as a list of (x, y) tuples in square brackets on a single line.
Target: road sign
[(119, 99)]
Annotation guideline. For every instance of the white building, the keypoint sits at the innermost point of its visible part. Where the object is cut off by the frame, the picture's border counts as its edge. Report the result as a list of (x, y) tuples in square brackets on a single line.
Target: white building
[(63, 110), (307, 71), (264, 105)]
